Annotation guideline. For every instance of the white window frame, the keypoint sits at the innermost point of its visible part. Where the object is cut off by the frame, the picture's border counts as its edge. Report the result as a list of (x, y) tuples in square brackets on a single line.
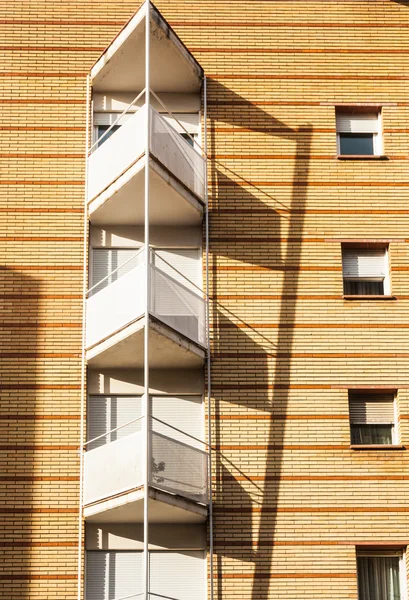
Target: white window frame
[(377, 137), (395, 429), (387, 277), (387, 553)]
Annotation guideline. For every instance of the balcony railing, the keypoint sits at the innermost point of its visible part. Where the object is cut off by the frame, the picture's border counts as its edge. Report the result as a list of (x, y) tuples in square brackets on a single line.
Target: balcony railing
[(108, 161), (117, 467), (119, 299)]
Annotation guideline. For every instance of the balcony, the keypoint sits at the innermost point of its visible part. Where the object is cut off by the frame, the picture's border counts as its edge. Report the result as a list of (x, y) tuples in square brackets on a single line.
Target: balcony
[(114, 475), (115, 319), (116, 168)]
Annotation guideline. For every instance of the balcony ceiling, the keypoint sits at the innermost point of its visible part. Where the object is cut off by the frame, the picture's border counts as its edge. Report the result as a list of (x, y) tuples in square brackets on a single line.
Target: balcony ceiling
[(121, 68)]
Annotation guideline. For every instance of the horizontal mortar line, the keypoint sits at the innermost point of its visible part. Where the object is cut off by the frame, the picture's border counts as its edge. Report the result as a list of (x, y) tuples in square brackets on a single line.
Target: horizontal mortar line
[(41, 210), (40, 74), (41, 267), (297, 77), (39, 156), (238, 238), (259, 575), (258, 447), (295, 211), (34, 510), (282, 297), (39, 478), (41, 239), (272, 157), (33, 417), (246, 102), (34, 576), (270, 543), (281, 267), (300, 386), (61, 22), (310, 509), (312, 478), (39, 325), (38, 386), (279, 50), (41, 101), (307, 325), (306, 183), (61, 48), (288, 24), (40, 296), (288, 130), (25, 447), (274, 417), (32, 544), (40, 128), (307, 355), (48, 355), (56, 182)]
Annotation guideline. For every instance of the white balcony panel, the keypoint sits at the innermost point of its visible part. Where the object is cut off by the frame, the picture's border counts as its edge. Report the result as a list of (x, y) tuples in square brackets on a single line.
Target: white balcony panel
[(179, 468), (116, 154), (178, 306), (113, 469), (176, 154), (114, 307)]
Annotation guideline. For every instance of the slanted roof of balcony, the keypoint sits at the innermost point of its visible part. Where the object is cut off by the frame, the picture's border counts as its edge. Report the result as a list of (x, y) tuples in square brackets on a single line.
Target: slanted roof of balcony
[(121, 66)]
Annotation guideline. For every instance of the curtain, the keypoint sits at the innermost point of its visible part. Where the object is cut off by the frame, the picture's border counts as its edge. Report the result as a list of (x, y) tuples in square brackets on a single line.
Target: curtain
[(378, 578), (363, 288)]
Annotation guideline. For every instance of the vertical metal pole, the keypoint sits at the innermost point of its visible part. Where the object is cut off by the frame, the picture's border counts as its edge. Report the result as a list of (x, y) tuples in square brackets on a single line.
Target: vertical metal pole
[(83, 379), (209, 382), (147, 302)]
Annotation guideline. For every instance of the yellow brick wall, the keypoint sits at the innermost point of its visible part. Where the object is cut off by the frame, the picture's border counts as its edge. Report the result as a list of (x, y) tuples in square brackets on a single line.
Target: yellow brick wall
[(291, 499)]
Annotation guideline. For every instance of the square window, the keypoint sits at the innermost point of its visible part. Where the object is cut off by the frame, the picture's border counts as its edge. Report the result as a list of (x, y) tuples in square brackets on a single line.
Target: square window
[(372, 418), (381, 575), (358, 133), (365, 270)]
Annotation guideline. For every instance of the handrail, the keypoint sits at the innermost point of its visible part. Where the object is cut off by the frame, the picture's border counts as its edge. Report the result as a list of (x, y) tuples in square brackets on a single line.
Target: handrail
[(180, 431), (115, 270), (115, 122), (178, 441), (178, 272), (112, 431), (179, 123)]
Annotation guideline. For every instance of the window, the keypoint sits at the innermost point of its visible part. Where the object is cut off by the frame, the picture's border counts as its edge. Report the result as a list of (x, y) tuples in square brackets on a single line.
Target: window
[(365, 271), (381, 575), (359, 133), (109, 264), (372, 418)]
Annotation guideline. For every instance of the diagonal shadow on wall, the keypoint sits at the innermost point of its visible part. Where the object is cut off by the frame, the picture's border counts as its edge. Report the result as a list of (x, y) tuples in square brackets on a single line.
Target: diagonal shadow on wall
[(248, 368)]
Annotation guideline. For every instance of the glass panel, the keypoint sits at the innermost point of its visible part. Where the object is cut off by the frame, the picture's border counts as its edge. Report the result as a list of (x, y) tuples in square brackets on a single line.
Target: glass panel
[(189, 140), (102, 129), (356, 143), (372, 434), (363, 288), (378, 578)]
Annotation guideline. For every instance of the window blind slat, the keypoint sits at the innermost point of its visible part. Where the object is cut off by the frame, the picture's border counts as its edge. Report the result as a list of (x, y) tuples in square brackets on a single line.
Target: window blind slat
[(378, 409), (105, 118), (190, 122), (106, 260), (177, 575), (109, 412), (364, 262), (357, 123), (183, 412)]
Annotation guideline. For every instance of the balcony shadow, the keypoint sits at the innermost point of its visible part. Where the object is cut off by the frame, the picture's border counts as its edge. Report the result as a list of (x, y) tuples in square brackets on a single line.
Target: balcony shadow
[(251, 369), (18, 392)]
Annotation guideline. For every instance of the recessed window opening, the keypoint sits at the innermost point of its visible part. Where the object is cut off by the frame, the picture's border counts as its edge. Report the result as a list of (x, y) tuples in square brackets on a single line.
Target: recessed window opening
[(373, 418), (381, 575), (359, 133), (365, 271)]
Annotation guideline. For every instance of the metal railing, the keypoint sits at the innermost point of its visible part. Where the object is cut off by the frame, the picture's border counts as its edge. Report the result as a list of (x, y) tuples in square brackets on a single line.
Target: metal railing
[(114, 271)]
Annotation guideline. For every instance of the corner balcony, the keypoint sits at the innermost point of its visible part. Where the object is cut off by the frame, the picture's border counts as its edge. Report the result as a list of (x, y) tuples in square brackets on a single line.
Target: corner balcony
[(114, 474), (115, 193), (115, 319)]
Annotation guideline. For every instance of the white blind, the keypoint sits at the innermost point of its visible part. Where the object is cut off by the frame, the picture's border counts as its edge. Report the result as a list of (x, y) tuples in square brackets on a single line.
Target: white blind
[(357, 123), (106, 260), (184, 413), (113, 575), (177, 575), (190, 122), (184, 260), (364, 263), (365, 409), (109, 412), (105, 118)]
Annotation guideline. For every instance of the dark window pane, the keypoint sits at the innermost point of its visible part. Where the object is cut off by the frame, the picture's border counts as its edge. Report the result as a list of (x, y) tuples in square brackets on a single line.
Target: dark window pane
[(188, 138), (363, 288), (356, 143), (102, 129), (371, 434)]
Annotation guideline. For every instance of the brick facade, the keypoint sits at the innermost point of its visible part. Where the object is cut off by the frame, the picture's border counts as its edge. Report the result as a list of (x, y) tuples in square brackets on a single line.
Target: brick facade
[(292, 500)]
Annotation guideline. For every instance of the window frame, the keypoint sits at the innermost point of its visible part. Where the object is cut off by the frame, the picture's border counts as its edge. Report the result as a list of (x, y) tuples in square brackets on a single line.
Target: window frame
[(377, 137), (385, 552), (395, 428), (386, 279)]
